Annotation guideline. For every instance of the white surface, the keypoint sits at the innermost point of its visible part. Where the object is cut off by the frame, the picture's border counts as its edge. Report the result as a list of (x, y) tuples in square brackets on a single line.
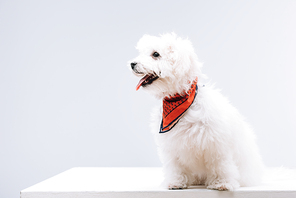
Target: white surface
[(140, 182)]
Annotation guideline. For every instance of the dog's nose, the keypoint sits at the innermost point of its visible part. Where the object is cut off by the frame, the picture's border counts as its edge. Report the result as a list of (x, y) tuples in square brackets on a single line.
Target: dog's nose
[(133, 65)]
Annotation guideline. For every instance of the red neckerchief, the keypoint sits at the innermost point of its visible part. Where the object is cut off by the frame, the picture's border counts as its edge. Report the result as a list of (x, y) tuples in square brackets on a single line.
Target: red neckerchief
[(174, 107)]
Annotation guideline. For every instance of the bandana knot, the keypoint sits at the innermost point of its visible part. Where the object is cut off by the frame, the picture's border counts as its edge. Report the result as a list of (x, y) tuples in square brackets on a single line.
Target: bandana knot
[(174, 107)]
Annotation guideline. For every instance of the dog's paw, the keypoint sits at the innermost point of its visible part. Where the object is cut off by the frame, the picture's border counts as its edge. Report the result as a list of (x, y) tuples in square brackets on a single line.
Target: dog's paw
[(177, 186), (223, 186), (176, 182)]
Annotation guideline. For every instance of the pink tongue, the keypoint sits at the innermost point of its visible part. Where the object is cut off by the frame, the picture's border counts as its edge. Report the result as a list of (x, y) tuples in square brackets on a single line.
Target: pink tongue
[(141, 81)]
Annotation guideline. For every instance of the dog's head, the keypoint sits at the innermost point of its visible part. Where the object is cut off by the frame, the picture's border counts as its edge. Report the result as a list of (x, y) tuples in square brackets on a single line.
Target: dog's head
[(166, 64)]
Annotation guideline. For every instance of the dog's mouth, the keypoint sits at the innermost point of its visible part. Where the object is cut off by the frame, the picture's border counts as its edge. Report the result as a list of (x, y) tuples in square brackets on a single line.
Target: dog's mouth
[(147, 80)]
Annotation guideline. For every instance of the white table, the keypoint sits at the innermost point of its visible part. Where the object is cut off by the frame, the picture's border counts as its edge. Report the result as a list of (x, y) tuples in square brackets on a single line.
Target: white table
[(140, 182)]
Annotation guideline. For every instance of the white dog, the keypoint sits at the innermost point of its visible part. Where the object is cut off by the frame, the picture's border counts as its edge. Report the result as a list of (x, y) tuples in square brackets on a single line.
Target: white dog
[(202, 138)]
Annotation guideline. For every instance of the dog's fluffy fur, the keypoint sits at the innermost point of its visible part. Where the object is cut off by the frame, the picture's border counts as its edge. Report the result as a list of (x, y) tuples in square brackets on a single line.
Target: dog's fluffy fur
[(211, 144)]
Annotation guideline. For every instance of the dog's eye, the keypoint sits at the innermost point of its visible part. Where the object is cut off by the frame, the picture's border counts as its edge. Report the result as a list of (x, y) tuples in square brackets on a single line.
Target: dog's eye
[(155, 54)]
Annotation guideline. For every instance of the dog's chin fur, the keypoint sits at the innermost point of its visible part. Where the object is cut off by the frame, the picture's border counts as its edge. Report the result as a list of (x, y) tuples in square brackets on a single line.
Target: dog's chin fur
[(212, 144)]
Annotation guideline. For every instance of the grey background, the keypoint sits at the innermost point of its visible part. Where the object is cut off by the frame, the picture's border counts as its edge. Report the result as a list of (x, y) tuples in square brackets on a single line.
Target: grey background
[(68, 99)]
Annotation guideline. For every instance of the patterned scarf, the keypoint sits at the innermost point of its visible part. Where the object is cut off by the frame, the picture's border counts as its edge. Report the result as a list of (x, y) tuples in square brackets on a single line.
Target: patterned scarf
[(174, 107)]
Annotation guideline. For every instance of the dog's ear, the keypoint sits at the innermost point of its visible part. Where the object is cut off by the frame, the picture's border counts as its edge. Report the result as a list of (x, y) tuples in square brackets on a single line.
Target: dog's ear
[(181, 56)]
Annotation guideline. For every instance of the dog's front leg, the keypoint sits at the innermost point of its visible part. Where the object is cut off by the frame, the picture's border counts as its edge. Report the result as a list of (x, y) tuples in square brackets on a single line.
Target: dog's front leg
[(222, 173), (175, 174)]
